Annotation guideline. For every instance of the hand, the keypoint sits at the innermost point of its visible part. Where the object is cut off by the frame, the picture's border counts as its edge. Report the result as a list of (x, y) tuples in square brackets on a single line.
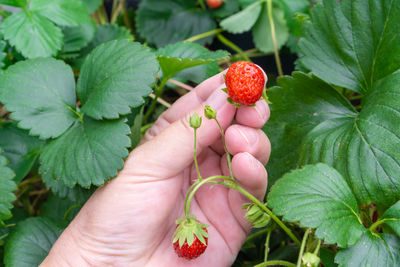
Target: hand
[(130, 221)]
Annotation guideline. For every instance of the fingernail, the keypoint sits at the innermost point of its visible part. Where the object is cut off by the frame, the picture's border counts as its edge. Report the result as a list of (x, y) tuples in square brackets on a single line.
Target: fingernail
[(250, 136), (261, 109), (217, 100)]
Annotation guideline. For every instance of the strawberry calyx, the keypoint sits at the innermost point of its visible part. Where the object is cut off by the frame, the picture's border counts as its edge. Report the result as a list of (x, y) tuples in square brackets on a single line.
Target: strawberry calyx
[(187, 229)]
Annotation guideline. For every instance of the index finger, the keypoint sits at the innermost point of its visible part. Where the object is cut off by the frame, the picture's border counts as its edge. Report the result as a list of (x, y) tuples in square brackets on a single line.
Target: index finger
[(194, 98)]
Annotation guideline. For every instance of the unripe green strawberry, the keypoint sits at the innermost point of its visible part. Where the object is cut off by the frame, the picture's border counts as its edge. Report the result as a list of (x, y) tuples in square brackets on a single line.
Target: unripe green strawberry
[(245, 83)]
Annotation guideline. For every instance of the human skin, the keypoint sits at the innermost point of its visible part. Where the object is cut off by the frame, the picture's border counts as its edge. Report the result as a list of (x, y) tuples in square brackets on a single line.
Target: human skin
[(130, 221)]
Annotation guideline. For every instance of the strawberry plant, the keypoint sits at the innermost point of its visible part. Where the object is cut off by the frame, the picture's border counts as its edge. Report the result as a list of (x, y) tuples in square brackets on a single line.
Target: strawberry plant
[(81, 81)]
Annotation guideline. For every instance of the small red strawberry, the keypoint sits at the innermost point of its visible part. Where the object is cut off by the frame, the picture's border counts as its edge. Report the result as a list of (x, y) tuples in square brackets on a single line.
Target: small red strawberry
[(190, 238), (214, 3), (244, 82)]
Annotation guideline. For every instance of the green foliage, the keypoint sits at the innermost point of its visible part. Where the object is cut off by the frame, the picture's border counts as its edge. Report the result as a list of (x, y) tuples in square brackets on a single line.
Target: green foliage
[(76, 38), (115, 77), (163, 22), (353, 49), (180, 56), (61, 12), (99, 157), (255, 17), (391, 217), (318, 197), (16, 3), (92, 5), (35, 235), (20, 149), (32, 34), (7, 186), (41, 95), (32, 30), (371, 250)]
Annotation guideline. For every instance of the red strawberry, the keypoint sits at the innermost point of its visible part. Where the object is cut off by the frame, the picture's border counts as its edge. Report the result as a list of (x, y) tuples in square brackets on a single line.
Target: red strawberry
[(214, 3), (244, 82), (190, 238)]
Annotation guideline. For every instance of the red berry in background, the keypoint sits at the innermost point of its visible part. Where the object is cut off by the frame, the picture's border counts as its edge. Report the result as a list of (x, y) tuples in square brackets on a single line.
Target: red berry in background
[(214, 3), (245, 82), (193, 251)]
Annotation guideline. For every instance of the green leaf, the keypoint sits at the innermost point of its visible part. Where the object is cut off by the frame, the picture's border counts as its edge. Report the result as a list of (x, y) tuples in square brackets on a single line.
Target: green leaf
[(319, 197), (371, 250), (115, 77), (243, 20), (16, 3), (58, 209), (103, 34), (7, 186), (136, 127), (2, 54), (92, 152), (75, 38), (327, 257), (391, 217), (262, 35), (364, 147), (32, 34), (163, 22), (34, 235), (20, 148), (228, 8), (62, 12), (41, 95), (352, 44), (299, 104), (177, 57), (92, 5), (59, 188)]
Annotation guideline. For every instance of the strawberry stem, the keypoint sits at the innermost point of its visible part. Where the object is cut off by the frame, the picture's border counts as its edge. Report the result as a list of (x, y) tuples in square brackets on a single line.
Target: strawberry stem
[(273, 36), (303, 245), (195, 156), (228, 155), (232, 46), (203, 35), (230, 183)]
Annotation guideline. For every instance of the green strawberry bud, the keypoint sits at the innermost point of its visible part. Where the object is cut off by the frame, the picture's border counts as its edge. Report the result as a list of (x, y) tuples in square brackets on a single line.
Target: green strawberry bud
[(256, 216), (210, 112), (195, 121), (310, 260)]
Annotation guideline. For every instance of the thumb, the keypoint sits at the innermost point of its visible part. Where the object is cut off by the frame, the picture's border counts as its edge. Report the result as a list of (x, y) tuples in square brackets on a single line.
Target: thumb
[(171, 151)]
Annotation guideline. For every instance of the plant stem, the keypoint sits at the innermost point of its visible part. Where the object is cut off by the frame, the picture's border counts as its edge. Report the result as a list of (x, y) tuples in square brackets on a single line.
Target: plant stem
[(201, 3), (230, 183), (277, 262), (234, 47), (196, 186), (228, 155), (3, 13), (116, 12), (377, 223), (145, 128), (195, 156), (69, 210), (30, 180), (252, 236), (266, 251), (273, 36), (126, 17), (302, 247), (316, 250), (75, 112), (204, 35), (158, 92), (273, 216)]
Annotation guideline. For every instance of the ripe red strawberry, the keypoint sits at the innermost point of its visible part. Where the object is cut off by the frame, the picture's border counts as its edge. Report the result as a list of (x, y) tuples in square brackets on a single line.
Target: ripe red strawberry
[(190, 238), (214, 3), (244, 82)]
